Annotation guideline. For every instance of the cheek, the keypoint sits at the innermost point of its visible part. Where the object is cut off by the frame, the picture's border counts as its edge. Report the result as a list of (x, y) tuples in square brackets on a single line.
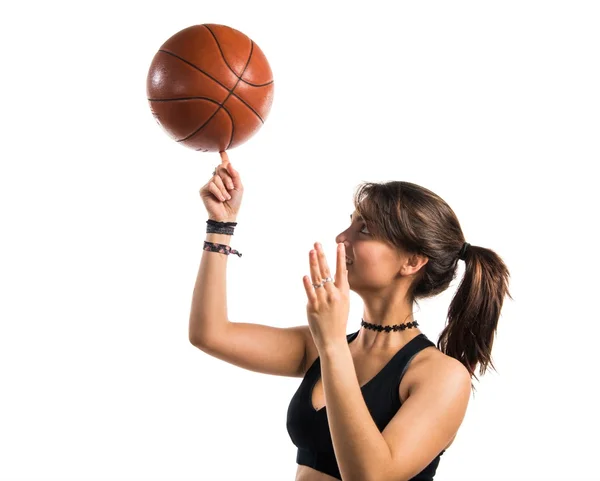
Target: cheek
[(370, 256), (373, 264)]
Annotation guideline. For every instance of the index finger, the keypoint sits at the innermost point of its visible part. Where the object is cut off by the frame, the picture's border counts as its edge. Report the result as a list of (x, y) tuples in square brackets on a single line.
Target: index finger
[(224, 157), (341, 269)]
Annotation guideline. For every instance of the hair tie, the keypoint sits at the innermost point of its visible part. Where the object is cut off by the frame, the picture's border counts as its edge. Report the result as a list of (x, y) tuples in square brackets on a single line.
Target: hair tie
[(463, 251)]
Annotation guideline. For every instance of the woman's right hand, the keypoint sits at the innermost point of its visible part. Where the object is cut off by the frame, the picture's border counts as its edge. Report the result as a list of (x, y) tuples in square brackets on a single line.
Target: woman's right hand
[(222, 195)]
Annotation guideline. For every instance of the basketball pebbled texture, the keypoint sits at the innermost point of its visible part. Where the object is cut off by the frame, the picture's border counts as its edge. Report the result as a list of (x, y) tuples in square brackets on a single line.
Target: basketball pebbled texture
[(210, 87)]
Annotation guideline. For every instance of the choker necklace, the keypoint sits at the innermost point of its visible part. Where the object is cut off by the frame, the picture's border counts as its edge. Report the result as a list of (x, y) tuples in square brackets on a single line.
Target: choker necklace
[(395, 327)]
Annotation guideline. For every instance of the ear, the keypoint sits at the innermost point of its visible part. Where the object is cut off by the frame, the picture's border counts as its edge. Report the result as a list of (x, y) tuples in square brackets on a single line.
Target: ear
[(413, 264)]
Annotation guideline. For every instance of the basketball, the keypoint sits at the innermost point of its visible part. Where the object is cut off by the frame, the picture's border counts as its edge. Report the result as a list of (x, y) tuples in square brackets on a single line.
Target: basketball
[(210, 87)]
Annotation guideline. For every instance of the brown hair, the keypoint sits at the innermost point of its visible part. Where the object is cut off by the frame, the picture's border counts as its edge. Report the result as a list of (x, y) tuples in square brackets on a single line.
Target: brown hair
[(413, 218)]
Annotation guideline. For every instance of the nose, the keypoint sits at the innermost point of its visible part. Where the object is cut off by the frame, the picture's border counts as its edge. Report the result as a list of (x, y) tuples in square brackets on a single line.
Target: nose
[(341, 238)]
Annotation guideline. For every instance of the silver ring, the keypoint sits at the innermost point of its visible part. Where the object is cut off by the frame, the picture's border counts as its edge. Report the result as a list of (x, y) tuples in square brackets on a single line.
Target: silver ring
[(328, 279)]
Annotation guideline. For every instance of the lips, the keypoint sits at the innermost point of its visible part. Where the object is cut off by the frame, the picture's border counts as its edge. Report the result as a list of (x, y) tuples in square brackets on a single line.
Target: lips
[(349, 261)]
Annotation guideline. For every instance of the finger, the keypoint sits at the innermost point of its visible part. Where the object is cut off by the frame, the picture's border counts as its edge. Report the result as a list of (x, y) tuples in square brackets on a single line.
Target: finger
[(341, 271), (216, 191), (323, 267), (224, 175), (224, 157), (310, 290), (219, 183), (235, 177), (315, 271)]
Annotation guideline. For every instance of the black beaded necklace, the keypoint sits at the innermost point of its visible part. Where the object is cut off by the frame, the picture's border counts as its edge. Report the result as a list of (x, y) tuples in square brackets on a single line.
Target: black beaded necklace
[(395, 327)]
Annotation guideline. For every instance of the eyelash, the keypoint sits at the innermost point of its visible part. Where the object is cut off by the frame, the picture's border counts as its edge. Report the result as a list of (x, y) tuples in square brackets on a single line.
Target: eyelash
[(363, 226)]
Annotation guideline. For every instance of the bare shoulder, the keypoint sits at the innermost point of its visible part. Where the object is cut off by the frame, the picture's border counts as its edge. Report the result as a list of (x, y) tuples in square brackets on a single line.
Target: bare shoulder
[(433, 366)]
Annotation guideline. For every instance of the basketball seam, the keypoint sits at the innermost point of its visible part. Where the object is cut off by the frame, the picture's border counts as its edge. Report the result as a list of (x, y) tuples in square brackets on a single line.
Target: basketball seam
[(205, 123), (184, 98), (221, 51), (215, 80), (232, 127), (222, 105), (229, 66), (230, 93)]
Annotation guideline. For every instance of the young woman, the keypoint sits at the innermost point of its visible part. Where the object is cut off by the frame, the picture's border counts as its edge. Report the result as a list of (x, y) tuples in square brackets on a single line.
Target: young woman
[(383, 403)]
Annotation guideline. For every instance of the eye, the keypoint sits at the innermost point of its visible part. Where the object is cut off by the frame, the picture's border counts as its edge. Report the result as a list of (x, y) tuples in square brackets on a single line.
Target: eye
[(364, 226)]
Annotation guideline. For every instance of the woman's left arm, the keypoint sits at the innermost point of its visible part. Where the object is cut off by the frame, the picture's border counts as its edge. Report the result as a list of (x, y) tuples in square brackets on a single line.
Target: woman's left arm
[(420, 430)]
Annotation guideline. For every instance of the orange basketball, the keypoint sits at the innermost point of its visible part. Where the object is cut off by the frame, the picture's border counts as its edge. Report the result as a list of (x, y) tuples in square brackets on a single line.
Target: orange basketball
[(210, 87)]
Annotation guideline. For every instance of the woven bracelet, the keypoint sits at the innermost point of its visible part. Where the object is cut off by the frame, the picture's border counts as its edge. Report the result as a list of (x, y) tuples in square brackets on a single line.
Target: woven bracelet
[(220, 248), (215, 227)]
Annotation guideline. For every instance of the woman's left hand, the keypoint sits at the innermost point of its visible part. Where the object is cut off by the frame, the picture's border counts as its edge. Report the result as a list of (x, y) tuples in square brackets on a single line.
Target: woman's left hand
[(328, 306)]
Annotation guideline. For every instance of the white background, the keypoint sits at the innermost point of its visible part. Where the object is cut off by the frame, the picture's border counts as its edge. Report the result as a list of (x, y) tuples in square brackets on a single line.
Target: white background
[(492, 105)]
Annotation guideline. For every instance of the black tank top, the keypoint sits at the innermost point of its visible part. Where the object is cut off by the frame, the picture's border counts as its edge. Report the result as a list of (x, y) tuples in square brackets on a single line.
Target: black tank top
[(309, 429)]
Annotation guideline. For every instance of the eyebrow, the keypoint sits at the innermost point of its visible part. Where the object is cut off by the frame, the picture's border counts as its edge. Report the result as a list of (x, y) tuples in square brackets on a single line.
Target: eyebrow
[(358, 217)]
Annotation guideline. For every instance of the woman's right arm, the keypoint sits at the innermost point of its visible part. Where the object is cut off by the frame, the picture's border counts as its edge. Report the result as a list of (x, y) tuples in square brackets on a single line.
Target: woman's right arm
[(256, 347)]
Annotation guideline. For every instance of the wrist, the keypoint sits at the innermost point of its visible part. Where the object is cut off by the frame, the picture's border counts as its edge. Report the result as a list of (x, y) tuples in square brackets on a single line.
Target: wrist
[(334, 349), (218, 238)]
